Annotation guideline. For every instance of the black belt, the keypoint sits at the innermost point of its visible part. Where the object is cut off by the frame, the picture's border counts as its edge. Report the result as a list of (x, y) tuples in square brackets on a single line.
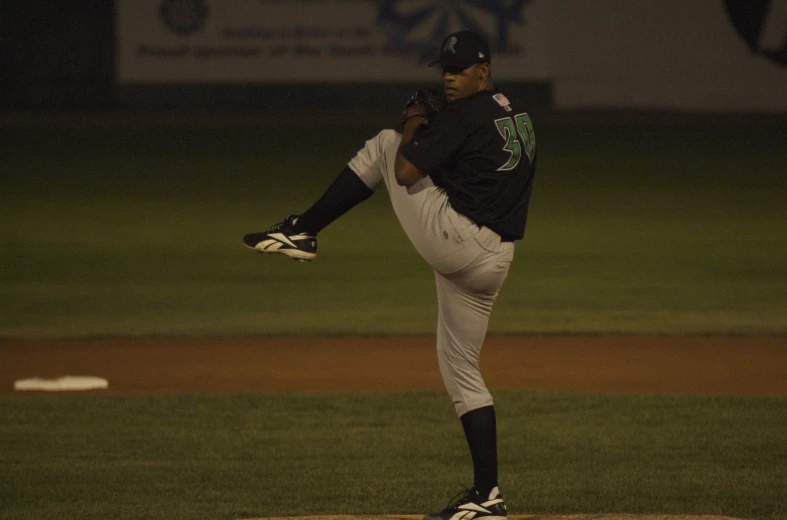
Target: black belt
[(503, 238)]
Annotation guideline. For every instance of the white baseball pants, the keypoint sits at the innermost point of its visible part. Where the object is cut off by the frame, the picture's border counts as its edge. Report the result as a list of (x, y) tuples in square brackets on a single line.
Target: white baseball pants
[(470, 264)]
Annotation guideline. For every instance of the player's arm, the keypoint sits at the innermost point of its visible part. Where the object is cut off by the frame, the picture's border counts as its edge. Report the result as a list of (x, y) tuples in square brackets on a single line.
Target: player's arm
[(427, 149), (407, 173)]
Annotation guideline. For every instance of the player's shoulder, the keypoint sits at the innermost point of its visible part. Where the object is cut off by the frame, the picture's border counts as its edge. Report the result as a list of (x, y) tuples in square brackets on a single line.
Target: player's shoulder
[(485, 103), (454, 115), (465, 114)]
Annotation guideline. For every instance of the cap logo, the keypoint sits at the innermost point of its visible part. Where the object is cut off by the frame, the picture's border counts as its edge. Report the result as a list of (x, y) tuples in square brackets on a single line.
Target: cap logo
[(449, 45), (480, 54)]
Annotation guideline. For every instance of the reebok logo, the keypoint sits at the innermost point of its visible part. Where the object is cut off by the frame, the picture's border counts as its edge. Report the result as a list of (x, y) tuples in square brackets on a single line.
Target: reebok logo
[(282, 238)]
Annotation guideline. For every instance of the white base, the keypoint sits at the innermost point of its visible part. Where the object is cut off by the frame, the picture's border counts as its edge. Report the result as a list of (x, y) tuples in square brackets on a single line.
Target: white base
[(65, 383)]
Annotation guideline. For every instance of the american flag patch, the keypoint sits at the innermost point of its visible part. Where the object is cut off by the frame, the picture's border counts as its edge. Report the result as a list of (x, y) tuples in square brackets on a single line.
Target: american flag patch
[(501, 100)]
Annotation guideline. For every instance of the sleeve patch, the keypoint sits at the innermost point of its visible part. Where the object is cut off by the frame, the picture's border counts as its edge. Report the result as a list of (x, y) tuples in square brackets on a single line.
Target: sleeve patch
[(503, 101)]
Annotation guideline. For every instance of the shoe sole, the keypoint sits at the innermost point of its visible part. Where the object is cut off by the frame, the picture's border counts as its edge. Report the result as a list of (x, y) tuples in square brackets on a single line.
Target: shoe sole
[(295, 254)]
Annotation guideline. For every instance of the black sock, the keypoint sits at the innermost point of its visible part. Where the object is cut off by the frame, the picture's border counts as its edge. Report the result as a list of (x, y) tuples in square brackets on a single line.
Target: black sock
[(346, 191), (481, 433)]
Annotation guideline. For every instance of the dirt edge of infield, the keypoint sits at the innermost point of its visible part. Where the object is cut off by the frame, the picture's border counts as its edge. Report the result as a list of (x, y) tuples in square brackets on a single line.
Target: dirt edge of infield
[(610, 516)]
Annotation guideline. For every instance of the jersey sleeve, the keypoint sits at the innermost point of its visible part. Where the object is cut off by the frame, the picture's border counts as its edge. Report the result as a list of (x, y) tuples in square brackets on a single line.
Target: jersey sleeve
[(437, 146)]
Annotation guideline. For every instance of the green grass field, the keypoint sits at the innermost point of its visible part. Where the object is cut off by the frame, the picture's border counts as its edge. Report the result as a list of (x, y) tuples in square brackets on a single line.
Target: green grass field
[(658, 227), (245, 456), (666, 228)]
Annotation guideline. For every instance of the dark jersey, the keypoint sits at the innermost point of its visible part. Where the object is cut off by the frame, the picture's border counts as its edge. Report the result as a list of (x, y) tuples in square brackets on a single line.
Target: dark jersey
[(481, 150)]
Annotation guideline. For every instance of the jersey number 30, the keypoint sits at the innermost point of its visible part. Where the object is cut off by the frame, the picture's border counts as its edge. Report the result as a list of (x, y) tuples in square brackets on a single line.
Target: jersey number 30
[(522, 127)]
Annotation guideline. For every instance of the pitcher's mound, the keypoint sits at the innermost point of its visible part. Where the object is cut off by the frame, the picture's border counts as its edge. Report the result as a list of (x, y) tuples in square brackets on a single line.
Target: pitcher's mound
[(613, 516)]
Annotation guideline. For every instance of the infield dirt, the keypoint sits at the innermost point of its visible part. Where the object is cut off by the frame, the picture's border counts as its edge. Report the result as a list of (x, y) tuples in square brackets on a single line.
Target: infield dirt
[(755, 366)]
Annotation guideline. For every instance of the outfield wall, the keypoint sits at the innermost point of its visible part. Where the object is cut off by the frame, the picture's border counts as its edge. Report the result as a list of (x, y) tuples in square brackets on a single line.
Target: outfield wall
[(669, 54), (684, 55)]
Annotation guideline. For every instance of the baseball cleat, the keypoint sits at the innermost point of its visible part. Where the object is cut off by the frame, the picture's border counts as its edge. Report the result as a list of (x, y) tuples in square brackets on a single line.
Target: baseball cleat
[(282, 238), (471, 505)]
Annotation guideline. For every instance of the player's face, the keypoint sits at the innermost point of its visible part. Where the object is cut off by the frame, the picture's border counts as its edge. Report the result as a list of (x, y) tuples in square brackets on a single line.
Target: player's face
[(459, 83)]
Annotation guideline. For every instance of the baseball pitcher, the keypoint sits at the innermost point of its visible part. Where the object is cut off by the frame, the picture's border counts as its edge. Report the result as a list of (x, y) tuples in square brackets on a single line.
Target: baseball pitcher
[(459, 178)]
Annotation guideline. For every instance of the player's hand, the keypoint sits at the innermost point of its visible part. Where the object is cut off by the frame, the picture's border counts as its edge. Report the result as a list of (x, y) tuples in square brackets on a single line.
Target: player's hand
[(414, 125), (425, 103)]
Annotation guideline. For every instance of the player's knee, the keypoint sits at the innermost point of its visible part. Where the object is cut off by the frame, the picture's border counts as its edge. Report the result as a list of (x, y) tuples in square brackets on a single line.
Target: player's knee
[(464, 383), (388, 137), (468, 403), (388, 134)]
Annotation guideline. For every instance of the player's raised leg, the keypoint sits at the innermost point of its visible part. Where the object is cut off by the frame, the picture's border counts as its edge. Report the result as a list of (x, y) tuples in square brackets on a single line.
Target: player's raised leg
[(296, 236), (440, 235), (284, 239)]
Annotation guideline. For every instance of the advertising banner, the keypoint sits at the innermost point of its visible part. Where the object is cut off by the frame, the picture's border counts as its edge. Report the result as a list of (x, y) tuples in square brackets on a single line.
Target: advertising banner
[(671, 54), (250, 41)]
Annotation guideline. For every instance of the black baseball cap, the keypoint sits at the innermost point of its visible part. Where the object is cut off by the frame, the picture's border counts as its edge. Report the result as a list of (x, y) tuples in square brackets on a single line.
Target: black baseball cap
[(462, 49)]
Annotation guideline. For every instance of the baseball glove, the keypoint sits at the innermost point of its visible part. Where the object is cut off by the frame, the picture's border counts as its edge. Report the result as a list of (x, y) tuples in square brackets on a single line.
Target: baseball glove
[(426, 102)]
